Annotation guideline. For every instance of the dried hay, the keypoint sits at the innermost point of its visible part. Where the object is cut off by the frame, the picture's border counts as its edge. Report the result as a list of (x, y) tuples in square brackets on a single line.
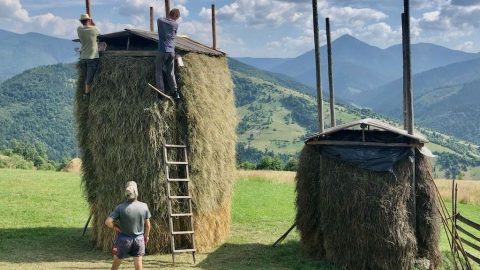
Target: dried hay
[(121, 132), (74, 166), (360, 219)]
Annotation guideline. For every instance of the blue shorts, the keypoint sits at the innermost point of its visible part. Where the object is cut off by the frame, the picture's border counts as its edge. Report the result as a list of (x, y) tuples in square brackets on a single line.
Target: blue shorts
[(91, 65), (125, 246)]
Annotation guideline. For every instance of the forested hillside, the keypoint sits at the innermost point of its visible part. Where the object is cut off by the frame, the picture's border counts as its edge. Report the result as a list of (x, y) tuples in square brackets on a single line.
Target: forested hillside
[(446, 99), (37, 106)]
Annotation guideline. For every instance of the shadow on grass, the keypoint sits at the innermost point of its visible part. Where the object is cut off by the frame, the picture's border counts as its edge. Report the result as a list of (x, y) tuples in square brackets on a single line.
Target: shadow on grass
[(47, 245), (260, 256)]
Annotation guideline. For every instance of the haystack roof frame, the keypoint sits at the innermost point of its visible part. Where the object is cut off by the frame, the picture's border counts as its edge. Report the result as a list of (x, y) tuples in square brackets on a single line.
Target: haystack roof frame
[(183, 43), (417, 138)]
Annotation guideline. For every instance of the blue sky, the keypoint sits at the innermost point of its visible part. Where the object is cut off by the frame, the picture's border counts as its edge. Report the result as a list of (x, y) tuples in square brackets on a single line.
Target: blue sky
[(261, 28)]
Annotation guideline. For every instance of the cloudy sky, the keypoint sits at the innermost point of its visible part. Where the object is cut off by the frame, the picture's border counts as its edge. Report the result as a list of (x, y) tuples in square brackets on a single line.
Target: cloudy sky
[(261, 28)]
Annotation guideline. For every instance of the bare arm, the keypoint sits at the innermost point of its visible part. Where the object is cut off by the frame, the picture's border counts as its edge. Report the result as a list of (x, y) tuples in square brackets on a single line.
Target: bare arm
[(147, 230), (109, 223)]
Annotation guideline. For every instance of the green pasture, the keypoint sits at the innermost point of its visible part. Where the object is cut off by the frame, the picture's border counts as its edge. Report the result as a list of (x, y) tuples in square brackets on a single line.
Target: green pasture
[(43, 213)]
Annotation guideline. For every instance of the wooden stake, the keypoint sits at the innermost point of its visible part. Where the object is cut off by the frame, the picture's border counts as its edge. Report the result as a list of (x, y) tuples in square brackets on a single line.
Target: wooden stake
[(214, 28), (408, 73), (167, 8), (317, 64), (87, 6), (333, 121), (152, 29)]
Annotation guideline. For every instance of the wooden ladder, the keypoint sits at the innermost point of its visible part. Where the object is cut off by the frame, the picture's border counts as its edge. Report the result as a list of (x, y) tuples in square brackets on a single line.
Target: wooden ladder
[(184, 200)]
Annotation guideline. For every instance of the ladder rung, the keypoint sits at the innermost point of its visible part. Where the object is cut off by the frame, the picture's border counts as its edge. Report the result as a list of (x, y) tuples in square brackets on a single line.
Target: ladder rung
[(175, 146), (182, 215), (184, 250), (178, 180), (183, 232), (180, 197), (177, 163)]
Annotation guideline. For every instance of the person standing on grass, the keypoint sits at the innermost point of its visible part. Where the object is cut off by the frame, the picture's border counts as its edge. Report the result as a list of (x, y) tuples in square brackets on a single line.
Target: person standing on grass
[(88, 33), (133, 230), (167, 32)]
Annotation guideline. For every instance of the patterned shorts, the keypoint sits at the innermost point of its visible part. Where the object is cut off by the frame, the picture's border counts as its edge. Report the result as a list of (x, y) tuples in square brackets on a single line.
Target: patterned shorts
[(129, 246)]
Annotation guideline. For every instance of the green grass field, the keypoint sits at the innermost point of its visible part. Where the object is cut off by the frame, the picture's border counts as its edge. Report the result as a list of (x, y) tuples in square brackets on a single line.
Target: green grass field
[(43, 214)]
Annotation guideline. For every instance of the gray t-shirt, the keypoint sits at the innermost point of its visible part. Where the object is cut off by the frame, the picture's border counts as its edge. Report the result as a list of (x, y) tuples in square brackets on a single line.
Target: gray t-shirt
[(131, 217), (167, 32)]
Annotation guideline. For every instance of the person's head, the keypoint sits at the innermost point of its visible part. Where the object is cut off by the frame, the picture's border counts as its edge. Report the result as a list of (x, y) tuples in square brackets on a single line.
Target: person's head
[(131, 191), (174, 14), (85, 20)]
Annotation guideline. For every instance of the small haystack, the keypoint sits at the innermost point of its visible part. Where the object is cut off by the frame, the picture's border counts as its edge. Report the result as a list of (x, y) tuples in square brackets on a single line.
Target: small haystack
[(356, 212), (122, 130), (74, 166)]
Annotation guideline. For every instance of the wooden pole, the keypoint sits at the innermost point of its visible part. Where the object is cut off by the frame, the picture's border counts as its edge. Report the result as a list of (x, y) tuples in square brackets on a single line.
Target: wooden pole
[(404, 101), (152, 29), (167, 7), (87, 7), (408, 79), (453, 214), (333, 121), (214, 28), (317, 64)]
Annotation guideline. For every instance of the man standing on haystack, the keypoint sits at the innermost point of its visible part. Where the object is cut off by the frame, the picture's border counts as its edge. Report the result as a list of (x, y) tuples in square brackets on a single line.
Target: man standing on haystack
[(88, 33), (133, 230), (167, 32)]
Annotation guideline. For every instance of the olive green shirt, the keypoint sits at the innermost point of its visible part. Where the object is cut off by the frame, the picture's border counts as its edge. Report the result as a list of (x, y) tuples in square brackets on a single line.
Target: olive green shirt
[(88, 39)]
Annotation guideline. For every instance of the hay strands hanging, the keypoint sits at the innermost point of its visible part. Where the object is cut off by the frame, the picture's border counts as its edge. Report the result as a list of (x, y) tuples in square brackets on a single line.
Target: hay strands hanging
[(161, 93)]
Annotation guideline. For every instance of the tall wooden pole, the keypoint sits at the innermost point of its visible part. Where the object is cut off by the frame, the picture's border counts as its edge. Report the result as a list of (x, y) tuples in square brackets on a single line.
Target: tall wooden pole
[(87, 7), (405, 75), (167, 7), (317, 64), (214, 28), (408, 73), (333, 121), (152, 29)]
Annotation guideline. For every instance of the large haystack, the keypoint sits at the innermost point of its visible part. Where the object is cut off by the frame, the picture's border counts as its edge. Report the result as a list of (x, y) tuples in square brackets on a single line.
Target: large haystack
[(74, 166), (124, 126), (363, 219)]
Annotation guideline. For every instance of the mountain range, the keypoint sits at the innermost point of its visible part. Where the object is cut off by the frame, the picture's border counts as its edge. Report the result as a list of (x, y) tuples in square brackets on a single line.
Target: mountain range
[(20, 52), (359, 67)]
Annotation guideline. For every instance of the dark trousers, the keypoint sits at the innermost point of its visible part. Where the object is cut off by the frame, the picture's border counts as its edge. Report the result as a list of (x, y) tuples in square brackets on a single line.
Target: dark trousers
[(165, 62)]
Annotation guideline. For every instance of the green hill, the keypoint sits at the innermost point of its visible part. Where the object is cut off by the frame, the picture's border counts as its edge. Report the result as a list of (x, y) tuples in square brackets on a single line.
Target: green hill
[(274, 116)]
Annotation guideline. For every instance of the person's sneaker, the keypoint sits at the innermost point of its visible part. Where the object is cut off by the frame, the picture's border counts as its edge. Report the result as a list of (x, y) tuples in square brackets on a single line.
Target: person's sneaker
[(176, 96), (86, 96)]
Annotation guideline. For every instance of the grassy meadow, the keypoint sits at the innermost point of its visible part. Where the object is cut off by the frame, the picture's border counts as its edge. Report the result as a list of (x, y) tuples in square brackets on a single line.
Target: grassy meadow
[(43, 214)]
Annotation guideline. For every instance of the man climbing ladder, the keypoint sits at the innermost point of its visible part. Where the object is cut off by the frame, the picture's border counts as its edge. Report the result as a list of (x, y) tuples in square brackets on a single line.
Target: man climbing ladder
[(88, 33), (167, 32)]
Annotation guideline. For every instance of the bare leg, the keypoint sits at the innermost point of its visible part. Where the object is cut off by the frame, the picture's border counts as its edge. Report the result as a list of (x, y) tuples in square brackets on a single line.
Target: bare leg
[(88, 88), (138, 262), (116, 263)]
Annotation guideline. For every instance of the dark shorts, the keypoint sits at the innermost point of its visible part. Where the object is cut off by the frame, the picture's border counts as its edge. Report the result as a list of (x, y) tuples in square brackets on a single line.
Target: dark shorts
[(129, 246), (91, 65)]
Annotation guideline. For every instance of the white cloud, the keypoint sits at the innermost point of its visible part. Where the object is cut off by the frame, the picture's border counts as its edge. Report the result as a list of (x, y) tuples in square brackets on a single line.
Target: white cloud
[(16, 18), (138, 10), (202, 32)]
